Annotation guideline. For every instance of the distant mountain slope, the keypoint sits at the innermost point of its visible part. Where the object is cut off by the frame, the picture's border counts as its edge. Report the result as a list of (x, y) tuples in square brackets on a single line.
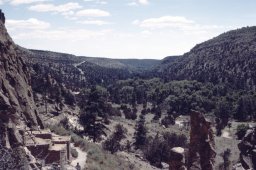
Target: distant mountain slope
[(79, 71), (229, 58), (129, 64), (140, 64)]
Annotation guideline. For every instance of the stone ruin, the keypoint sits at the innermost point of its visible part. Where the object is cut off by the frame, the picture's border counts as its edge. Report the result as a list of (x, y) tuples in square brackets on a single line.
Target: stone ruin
[(202, 146), (47, 147), (247, 148)]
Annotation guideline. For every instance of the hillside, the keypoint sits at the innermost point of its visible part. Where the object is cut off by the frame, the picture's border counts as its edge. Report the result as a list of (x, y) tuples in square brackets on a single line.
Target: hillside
[(228, 59), (131, 65), (78, 71)]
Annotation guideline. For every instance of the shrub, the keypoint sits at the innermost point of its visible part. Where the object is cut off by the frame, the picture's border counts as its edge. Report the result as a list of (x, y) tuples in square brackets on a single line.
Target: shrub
[(158, 149), (74, 153), (112, 144), (168, 120), (241, 131)]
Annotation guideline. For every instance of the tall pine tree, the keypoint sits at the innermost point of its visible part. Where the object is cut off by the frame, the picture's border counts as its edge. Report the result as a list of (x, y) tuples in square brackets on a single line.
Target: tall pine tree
[(140, 134)]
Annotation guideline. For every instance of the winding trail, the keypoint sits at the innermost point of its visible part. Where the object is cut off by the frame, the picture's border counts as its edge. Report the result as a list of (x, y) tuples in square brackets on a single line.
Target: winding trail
[(81, 159), (78, 64)]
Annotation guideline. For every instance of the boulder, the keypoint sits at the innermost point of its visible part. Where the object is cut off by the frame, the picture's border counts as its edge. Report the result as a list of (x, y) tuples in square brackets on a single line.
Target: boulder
[(177, 161)]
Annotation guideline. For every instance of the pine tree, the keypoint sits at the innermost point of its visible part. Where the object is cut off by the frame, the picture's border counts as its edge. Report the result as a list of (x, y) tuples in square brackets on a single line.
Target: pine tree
[(93, 116), (113, 143), (140, 134), (93, 125)]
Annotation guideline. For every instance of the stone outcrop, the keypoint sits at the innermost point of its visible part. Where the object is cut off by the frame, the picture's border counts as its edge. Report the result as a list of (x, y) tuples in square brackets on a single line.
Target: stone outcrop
[(177, 161), (17, 106), (2, 17), (201, 148), (247, 148)]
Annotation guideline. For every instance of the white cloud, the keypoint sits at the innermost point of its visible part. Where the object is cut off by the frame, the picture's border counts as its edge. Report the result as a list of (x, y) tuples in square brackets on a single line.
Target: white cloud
[(31, 23), (146, 32), (143, 2), (19, 2), (92, 13), (178, 23), (102, 2), (59, 34), (97, 1), (165, 22), (93, 22), (136, 22), (132, 4), (138, 2), (55, 8)]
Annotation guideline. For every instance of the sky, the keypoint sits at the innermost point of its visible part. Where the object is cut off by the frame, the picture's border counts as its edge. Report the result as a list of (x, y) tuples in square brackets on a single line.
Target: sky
[(145, 29)]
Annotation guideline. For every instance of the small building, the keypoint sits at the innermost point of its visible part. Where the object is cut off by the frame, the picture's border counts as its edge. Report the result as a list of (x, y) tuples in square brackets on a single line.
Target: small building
[(48, 147)]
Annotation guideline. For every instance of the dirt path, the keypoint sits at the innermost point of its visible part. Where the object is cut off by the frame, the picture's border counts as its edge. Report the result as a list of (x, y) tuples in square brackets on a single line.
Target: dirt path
[(81, 159), (226, 134), (80, 70)]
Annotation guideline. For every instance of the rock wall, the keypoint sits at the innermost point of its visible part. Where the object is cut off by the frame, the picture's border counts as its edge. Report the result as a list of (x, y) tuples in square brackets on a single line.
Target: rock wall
[(201, 148), (17, 108)]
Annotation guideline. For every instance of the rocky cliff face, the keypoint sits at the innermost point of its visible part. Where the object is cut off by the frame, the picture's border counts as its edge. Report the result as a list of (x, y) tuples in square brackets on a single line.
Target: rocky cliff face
[(201, 148), (17, 108)]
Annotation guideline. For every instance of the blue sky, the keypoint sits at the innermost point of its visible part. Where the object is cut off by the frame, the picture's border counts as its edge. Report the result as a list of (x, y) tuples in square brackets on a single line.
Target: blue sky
[(123, 28)]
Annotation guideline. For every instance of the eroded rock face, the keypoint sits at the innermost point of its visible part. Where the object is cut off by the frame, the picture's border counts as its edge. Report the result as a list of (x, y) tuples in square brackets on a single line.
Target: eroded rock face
[(247, 148), (201, 148), (17, 107)]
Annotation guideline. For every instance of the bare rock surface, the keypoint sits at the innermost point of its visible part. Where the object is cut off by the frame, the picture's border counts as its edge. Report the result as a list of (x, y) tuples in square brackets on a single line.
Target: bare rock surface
[(202, 146)]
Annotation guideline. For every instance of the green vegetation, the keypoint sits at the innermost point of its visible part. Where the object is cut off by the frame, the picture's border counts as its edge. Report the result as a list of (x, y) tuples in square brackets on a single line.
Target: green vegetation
[(112, 144), (140, 134), (158, 148), (241, 130), (97, 158), (93, 116), (74, 153)]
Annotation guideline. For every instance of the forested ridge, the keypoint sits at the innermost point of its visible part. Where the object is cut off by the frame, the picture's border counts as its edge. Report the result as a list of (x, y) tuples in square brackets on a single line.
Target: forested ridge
[(220, 71)]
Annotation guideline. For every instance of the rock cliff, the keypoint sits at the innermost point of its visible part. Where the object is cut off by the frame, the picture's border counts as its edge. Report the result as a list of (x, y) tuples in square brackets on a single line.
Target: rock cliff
[(17, 108)]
